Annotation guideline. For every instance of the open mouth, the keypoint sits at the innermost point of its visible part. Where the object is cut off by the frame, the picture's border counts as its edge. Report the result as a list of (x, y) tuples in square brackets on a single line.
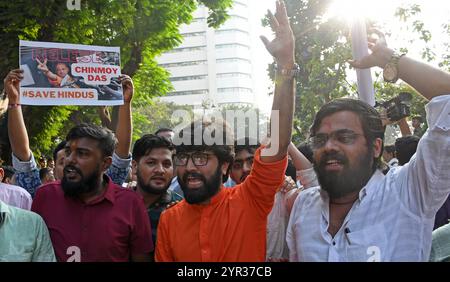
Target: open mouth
[(194, 182), (333, 165), (70, 172)]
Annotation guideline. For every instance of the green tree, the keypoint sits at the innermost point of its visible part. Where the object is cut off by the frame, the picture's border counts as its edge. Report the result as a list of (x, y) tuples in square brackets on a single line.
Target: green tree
[(323, 46), (154, 115), (252, 119), (142, 28)]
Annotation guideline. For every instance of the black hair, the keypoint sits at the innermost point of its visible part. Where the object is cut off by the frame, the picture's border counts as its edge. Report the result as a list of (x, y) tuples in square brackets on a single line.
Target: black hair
[(58, 148), (418, 118), (370, 120), (247, 143), (106, 140), (306, 150), (9, 171), (148, 142), (163, 129), (390, 149), (291, 171), (405, 148), (43, 172)]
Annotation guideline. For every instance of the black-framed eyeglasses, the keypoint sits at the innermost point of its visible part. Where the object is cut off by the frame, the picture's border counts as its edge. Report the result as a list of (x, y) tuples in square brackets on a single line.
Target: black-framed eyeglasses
[(198, 158), (343, 136)]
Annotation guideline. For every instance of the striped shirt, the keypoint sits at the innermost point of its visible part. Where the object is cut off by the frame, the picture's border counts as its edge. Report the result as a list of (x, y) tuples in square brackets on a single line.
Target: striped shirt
[(393, 218), (15, 196)]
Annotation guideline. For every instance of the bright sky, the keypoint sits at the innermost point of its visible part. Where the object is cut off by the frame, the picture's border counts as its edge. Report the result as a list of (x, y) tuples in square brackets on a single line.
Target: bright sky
[(434, 14)]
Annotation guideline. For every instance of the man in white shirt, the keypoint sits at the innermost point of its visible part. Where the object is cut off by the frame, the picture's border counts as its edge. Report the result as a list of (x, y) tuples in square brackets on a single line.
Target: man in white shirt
[(389, 156), (358, 214), (14, 195)]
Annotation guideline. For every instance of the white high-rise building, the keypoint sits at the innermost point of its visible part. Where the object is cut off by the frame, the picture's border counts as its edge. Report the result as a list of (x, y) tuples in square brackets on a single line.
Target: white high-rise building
[(216, 67)]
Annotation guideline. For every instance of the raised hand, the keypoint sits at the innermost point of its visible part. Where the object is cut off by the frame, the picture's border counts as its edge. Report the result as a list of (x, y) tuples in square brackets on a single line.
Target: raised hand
[(12, 82), (128, 87), (282, 46), (380, 53), (42, 66), (288, 184)]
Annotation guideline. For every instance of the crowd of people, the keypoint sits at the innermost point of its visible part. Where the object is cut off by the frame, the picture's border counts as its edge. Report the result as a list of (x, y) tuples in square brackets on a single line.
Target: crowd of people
[(342, 195)]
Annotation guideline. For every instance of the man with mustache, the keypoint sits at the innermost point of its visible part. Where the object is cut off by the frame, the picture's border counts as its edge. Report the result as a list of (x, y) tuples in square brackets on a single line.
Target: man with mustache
[(217, 224), (357, 213), (89, 217), (153, 167), (243, 159), (27, 173)]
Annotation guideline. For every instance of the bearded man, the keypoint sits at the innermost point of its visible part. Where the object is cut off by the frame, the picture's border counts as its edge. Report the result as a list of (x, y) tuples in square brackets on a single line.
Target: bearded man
[(357, 213)]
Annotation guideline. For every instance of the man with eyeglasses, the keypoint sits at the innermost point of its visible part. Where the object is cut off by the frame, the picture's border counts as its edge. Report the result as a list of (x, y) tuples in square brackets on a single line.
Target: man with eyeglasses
[(357, 213), (217, 224)]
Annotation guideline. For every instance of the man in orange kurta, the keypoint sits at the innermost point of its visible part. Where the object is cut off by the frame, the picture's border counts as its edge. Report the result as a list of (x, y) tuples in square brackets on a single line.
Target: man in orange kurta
[(217, 224), (232, 227)]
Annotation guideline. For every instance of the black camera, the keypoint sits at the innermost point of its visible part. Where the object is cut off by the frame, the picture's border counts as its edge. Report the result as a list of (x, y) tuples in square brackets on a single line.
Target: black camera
[(398, 107)]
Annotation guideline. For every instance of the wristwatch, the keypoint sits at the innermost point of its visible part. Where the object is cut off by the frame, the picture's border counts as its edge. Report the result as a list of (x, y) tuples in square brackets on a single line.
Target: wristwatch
[(288, 73), (390, 71)]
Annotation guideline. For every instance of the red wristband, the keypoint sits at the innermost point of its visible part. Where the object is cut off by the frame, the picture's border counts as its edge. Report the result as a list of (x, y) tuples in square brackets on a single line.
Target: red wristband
[(10, 106)]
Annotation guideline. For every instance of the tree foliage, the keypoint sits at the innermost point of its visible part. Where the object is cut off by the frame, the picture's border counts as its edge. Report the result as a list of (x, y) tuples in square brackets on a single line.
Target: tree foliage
[(323, 46), (156, 114), (142, 29)]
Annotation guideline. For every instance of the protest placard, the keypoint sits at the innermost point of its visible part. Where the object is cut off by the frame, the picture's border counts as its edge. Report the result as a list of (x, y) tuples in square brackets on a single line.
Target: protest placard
[(69, 74)]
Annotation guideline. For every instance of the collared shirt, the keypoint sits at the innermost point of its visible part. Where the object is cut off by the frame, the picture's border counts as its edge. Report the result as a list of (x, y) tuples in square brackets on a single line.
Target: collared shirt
[(175, 187), (27, 173), (15, 196), (440, 248), (443, 215), (232, 227), (393, 163), (393, 218), (229, 183), (307, 178), (111, 227), (155, 210), (23, 236)]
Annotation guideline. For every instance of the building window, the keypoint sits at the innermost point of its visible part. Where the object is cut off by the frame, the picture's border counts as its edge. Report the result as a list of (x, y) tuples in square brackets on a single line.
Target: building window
[(242, 104), (231, 31), (187, 49), (197, 20), (232, 45), (237, 17), (183, 64), (194, 77), (193, 34), (232, 60), (233, 74), (193, 92), (241, 90)]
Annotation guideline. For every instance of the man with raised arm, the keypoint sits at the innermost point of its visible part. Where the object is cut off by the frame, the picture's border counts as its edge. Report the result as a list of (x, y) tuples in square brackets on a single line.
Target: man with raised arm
[(357, 213), (217, 224)]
